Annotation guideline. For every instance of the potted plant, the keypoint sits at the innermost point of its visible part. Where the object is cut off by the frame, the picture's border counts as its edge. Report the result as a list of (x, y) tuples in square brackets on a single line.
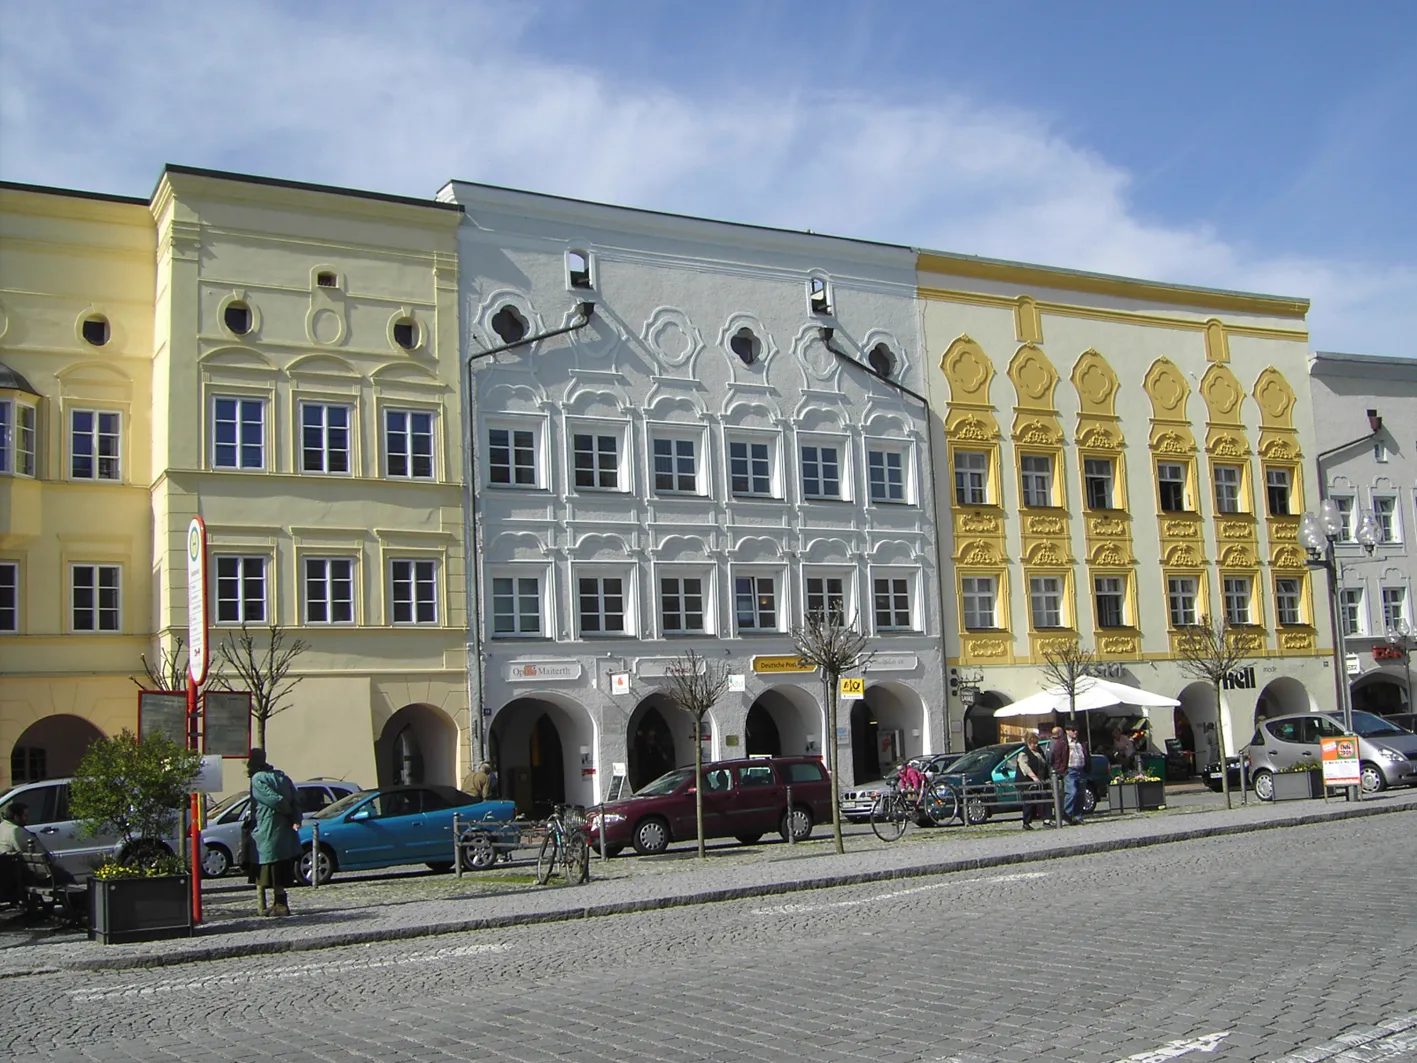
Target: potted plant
[(135, 789), (1136, 792), (1299, 782)]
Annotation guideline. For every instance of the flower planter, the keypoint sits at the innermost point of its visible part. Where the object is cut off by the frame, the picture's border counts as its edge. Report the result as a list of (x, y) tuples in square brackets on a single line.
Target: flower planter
[(1136, 796), (1297, 785), (123, 910)]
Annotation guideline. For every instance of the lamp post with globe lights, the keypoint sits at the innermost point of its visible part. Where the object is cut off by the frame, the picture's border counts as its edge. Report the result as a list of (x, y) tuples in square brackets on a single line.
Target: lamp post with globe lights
[(1400, 635)]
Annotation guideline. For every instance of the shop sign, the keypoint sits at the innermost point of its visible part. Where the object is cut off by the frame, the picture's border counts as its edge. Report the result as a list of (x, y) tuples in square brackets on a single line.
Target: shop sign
[(619, 682), (893, 662), (853, 688), (1351, 664), (542, 671), (737, 683), (1387, 653), (1239, 679), (777, 665), (1340, 760)]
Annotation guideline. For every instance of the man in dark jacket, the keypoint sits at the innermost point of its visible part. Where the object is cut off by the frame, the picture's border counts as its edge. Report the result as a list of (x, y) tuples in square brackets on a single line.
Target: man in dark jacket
[(277, 843), (1077, 757)]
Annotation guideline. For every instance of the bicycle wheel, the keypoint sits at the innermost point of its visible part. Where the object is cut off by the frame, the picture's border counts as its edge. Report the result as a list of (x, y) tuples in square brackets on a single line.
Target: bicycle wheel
[(576, 859), (546, 859), (888, 817), (941, 803)]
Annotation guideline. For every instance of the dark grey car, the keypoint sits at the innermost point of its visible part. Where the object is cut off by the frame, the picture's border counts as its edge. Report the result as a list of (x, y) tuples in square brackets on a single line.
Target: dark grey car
[(1388, 753)]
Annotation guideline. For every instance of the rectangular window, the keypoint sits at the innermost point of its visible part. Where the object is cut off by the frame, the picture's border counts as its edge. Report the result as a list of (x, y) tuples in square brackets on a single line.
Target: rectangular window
[(1287, 609), (1045, 598), (95, 602), (1394, 607), (885, 471), (1181, 600), (1097, 479), (1227, 488), (597, 460), (821, 472), (602, 601), (516, 605), (1385, 513), (681, 605), (238, 433), (9, 596), (755, 602), (978, 593), (1237, 599), (408, 444), (329, 590), (1276, 489), (675, 467), (1345, 513), (971, 478), (415, 591), (240, 590), (749, 468), (1171, 484), (511, 456), (324, 438), (826, 596), (893, 604), (1037, 472), (17, 437), (93, 445), (1351, 612), (1109, 594)]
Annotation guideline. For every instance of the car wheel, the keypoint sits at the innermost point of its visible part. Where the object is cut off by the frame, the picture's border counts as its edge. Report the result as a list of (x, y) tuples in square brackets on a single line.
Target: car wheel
[(216, 861), (1264, 786), (798, 821), (976, 811), (1089, 800), (747, 839), (478, 852), (651, 837), (1373, 780), (325, 866), (439, 867)]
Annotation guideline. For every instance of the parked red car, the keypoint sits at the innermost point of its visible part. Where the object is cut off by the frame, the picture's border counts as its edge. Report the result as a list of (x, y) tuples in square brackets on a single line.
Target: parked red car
[(743, 799)]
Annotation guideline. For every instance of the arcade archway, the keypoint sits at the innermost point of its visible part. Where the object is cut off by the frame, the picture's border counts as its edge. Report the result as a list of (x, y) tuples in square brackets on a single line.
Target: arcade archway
[(51, 748), (1282, 697), (658, 738), (418, 745), (1200, 710), (1380, 693), (887, 727), (784, 722), (539, 747), (981, 727)]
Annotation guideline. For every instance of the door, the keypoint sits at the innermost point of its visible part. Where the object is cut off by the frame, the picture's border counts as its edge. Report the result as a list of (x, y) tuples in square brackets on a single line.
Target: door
[(373, 835), (720, 805), (760, 800)]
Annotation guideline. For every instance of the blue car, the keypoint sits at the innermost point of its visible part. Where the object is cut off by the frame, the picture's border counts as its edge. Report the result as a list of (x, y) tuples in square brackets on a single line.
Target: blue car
[(396, 825)]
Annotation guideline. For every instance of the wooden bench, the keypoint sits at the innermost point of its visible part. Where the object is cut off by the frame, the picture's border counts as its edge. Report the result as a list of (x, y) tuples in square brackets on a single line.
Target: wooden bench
[(64, 900)]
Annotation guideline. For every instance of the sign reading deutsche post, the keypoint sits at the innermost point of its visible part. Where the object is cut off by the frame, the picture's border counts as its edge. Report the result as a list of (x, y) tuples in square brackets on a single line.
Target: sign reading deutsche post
[(774, 665)]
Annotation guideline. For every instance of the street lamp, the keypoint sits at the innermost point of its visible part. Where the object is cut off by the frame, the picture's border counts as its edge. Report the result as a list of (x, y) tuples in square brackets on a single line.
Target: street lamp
[(1401, 634)]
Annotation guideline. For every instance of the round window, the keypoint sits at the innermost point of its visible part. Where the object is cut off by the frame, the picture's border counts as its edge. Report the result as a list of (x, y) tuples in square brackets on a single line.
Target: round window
[(746, 345), (237, 317), (95, 330), (406, 333), (882, 360), (509, 325)]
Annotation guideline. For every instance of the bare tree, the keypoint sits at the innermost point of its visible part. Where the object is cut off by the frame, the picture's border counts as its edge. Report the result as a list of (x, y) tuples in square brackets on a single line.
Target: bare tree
[(1210, 650), (168, 672), (834, 645), (263, 672), (1067, 667), (695, 685)]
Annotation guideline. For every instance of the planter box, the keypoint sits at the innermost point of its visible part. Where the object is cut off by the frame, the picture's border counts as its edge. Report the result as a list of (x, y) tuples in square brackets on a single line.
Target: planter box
[(123, 910), (1136, 796), (1297, 785)]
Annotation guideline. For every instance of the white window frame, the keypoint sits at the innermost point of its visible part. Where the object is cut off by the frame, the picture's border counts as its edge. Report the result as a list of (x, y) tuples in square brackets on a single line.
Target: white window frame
[(971, 482), (518, 596), (824, 454), (896, 584), (96, 573), (331, 564), (1120, 593), (1039, 597), (1394, 606), (1271, 473), (1108, 478), (407, 443), (1160, 496), (973, 594), (818, 591), (243, 405), (243, 579), (327, 434), (604, 598), (675, 440), (19, 436), (1238, 593), (774, 583), (706, 611), (1346, 509), (1230, 500), (879, 482), (598, 433), (515, 447), (1295, 609), (413, 585), (755, 475), (95, 435), (1390, 529), (1182, 600), (1037, 483), (10, 585), (1352, 613)]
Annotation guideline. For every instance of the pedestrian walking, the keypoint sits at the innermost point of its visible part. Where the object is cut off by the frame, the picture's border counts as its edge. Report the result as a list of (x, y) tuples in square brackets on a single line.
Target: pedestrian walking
[(1077, 758), (277, 843), (1034, 770)]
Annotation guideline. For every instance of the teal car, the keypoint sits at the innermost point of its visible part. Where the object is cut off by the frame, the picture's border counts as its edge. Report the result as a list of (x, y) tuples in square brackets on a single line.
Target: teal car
[(987, 781), (396, 825)]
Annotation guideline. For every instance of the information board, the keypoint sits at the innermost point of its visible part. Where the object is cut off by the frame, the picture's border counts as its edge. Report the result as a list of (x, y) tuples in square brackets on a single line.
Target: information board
[(1340, 760), (226, 723), (160, 712), (619, 787)]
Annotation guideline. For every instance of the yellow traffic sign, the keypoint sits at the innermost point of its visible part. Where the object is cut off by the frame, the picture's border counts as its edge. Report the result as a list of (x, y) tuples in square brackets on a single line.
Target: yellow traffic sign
[(853, 688)]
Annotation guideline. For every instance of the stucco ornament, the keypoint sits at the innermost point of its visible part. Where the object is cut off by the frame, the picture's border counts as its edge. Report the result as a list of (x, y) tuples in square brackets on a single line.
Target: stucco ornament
[(672, 336)]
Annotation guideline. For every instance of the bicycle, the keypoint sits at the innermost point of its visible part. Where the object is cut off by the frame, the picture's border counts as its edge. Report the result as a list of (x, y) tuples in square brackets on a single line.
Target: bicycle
[(936, 803), (565, 847)]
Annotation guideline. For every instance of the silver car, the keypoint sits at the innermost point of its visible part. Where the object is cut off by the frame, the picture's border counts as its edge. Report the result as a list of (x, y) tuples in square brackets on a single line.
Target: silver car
[(221, 838), (1388, 754), (856, 804), (53, 824)]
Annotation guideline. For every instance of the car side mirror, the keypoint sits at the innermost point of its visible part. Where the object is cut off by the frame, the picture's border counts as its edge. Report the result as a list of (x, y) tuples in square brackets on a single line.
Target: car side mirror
[(358, 814)]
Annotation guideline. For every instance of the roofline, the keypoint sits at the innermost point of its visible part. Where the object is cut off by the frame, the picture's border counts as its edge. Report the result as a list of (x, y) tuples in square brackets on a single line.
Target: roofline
[(1363, 359), (73, 193), (1008, 271), (303, 186)]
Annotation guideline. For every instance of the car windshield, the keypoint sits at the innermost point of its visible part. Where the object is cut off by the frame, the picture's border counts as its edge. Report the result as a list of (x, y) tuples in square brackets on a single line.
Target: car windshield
[(1369, 726), (217, 810), (340, 807), (666, 784), (976, 760)]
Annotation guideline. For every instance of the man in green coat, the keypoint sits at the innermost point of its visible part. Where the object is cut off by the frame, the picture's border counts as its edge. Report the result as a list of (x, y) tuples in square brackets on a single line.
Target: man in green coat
[(275, 835)]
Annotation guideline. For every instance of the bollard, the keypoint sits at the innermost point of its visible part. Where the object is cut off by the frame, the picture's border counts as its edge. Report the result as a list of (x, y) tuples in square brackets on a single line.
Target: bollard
[(791, 829), (315, 855), (457, 845), (602, 832), (1057, 802)]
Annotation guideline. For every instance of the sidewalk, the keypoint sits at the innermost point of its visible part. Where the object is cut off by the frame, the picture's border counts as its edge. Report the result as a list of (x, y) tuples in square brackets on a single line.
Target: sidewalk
[(360, 910)]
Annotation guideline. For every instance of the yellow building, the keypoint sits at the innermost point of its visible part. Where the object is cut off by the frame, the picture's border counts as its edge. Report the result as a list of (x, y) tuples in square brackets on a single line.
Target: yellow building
[(282, 360), (1124, 457)]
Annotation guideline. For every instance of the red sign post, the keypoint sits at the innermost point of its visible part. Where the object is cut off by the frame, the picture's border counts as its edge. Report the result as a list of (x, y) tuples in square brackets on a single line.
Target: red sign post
[(197, 657)]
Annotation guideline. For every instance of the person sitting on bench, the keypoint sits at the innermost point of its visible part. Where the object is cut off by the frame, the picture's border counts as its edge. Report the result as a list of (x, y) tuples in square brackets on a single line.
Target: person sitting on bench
[(16, 838)]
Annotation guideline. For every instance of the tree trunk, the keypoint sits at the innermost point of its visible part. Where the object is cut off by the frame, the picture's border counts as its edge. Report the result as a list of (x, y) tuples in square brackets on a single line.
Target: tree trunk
[(1220, 741), (699, 782), (832, 687), (258, 740)]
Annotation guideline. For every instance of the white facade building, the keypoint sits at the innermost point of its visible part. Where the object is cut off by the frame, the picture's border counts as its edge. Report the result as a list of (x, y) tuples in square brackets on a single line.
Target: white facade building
[(694, 468), (1376, 476)]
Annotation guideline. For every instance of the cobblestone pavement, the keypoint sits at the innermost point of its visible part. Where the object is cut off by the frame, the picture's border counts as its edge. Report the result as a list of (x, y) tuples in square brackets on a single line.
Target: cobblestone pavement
[(1294, 944)]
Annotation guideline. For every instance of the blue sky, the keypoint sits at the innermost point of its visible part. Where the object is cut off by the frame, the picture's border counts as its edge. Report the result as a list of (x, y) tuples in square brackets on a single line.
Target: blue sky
[(1257, 145)]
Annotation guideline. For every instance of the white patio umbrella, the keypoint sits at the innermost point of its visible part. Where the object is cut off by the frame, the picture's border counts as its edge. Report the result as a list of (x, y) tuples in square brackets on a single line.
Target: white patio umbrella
[(1092, 693)]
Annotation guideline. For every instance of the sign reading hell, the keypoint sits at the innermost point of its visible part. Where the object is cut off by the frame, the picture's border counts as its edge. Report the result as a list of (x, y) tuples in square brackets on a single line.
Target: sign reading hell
[(853, 688)]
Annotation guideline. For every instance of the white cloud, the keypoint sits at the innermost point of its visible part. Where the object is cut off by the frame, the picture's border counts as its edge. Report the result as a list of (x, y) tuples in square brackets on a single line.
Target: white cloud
[(401, 99)]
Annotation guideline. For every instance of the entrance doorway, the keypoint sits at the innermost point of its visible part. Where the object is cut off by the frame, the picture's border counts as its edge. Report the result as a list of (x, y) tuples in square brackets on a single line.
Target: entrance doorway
[(418, 745), (761, 736), (548, 768), (981, 727), (652, 749)]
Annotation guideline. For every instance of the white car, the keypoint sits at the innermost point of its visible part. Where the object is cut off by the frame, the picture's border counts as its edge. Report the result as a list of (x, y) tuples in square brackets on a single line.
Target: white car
[(51, 821)]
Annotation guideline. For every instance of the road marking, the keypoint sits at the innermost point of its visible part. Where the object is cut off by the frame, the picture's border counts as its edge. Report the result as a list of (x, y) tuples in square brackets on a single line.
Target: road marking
[(1207, 1042), (90, 994), (1394, 1038), (797, 909)]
